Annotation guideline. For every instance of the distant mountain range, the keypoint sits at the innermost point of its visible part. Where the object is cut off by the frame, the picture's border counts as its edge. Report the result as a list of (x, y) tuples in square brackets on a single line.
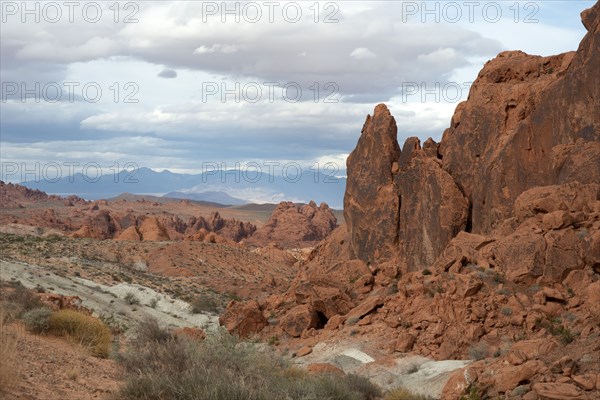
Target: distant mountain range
[(224, 187), (213, 197)]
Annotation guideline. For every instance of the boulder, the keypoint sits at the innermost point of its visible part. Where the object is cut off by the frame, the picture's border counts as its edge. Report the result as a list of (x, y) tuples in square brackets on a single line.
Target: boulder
[(243, 319), (324, 368), (299, 319), (510, 377), (558, 391)]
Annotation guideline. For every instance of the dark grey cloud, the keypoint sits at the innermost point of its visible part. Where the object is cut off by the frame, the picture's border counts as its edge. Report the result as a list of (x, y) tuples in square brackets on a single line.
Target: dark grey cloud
[(168, 73)]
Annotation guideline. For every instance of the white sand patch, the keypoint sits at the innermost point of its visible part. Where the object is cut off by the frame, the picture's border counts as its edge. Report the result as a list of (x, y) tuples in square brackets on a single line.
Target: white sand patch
[(109, 300)]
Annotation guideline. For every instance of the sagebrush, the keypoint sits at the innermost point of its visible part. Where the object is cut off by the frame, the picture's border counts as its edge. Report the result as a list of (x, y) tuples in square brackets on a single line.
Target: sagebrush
[(223, 368)]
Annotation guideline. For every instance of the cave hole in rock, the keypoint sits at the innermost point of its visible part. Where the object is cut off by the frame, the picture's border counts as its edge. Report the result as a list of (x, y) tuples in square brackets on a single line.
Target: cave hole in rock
[(321, 320)]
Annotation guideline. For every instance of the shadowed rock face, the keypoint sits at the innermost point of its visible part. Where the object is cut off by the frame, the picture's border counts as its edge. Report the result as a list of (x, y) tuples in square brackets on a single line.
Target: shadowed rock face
[(399, 204), (433, 209), (371, 201)]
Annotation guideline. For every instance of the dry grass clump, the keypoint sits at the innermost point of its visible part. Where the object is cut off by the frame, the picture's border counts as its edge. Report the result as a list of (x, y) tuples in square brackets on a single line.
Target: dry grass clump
[(20, 302), (83, 329)]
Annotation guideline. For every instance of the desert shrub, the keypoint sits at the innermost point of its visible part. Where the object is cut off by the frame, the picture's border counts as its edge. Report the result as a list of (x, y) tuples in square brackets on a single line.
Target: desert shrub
[(507, 311), (153, 302), (412, 368), (222, 368), (556, 328), (403, 394), (84, 329), (10, 311), (472, 392), (148, 330), (203, 303), (37, 320), (24, 297), (426, 271), (115, 325), (9, 365), (362, 385), (131, 298), (479, 351), (520, 390), (565, 335)]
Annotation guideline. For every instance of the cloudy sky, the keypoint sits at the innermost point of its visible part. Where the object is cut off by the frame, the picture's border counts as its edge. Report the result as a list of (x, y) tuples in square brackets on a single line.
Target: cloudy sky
[(170, 85)]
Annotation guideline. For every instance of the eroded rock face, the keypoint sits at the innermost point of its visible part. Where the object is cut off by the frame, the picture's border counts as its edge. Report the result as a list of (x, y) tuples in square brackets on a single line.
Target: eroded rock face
[(100, 225), (432, 211), (293, 225), (529, 121), (299, 319), (371, 201), (399, 205)]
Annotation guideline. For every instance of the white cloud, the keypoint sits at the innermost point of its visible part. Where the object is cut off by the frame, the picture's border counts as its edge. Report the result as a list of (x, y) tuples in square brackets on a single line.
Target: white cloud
[(218, 48), (362, 53), (446, 55)]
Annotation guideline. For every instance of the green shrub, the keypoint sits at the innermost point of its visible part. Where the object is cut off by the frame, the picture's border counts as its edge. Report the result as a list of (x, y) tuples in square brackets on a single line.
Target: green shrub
[(472, 392), (556, 328), (565, 334), (426, 271), (37, 320)]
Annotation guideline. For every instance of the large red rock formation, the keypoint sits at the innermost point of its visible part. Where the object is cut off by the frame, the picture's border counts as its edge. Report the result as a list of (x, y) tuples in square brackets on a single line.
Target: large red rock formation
[(529, 121), (399, 205), (371, 201), (483, 246), (297, 226)]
